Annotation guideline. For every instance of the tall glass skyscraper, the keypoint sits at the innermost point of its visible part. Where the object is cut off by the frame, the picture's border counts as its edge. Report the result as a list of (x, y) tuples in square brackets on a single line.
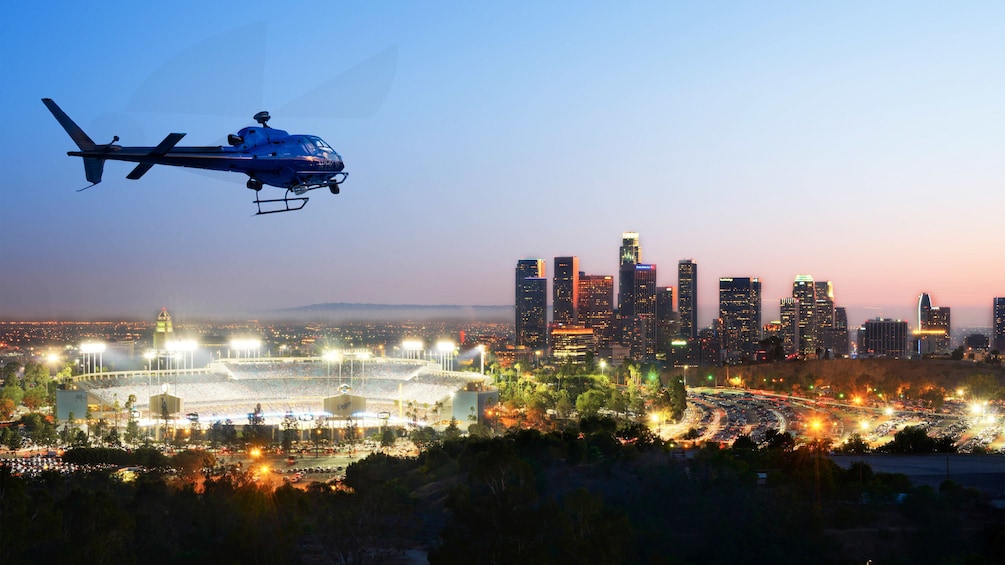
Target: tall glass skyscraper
[(687, 298), (804, 291), (740, 313), (933, 333), (531, 304), (565, 291), (596, 306), (629, 255), (639, 312), (998, 339)]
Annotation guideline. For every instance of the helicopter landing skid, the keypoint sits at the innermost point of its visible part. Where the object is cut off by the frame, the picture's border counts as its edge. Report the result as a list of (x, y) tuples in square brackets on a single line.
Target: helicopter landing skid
[(288, 204)]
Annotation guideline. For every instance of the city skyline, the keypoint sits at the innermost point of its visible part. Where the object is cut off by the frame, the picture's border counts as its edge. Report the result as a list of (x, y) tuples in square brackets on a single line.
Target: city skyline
[(858, 143)]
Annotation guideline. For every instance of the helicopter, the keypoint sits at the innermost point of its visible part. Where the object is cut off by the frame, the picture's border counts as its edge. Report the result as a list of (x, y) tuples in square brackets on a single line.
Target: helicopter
[(297, 163)]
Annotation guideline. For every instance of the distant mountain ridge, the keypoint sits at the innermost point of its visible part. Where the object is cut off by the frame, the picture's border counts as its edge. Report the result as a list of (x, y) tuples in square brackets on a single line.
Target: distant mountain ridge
[(347, 311)]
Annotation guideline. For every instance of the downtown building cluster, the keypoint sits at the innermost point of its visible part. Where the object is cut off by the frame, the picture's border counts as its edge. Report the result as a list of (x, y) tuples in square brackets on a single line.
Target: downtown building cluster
[(631, 317)]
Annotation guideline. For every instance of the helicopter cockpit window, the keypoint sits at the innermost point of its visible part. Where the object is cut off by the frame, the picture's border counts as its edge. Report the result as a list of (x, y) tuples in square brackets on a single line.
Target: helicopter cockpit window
[(323, 149), (309, 148)]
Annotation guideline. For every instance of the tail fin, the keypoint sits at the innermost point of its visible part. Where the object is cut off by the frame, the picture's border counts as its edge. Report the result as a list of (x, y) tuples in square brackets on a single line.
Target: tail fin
[(76, 134), (93, 167)]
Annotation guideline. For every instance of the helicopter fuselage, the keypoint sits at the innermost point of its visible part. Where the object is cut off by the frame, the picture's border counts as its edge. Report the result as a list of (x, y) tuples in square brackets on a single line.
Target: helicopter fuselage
[(269, 155)]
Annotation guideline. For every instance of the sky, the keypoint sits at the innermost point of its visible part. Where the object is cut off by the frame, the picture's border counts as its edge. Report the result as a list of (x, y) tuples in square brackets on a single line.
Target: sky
[(858, 142)]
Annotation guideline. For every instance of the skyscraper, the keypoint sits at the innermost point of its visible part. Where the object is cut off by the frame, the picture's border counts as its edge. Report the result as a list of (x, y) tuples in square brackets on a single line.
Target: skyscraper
[(998, 339), (932, 335), (639, 312), (789, 322), (687, 298), (841, 343), (628, 256), (883, 338), (804, 291), (823, 318), (666, 319), (565, 291), (596, 306), (740, 313), (531, 303)]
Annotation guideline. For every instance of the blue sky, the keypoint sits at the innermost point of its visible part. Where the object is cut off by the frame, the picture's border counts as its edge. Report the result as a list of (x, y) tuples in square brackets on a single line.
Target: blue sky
[(859, 142)]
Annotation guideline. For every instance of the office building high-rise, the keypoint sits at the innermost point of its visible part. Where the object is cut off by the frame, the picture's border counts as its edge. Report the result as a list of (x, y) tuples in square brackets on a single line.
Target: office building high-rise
[(789, 325), (531, 304), (565, 291), (666, 319), (841, 342), (740, 314), (828, 338), (687, 298), (883, 338), (596, 307), (629, 255), (933, 333), (804, 291), (638, 313), (998, 315)]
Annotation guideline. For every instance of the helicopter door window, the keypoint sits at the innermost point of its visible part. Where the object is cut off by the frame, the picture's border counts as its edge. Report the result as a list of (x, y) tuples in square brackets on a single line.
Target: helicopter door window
[(308, 146)]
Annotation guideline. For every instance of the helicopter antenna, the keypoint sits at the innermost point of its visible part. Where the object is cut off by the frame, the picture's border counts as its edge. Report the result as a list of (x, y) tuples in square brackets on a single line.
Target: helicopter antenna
[(263, 118)]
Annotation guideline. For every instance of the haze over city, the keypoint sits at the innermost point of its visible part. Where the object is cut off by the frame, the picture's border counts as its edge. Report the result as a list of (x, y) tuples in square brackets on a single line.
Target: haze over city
[(855, 142)]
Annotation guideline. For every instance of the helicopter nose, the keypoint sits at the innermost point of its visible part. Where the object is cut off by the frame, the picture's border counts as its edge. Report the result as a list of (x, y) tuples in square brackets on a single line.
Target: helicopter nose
[(339, 165)]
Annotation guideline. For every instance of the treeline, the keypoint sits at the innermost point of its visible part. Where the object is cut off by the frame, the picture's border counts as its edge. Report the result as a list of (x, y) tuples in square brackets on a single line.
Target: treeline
[(599, 493)]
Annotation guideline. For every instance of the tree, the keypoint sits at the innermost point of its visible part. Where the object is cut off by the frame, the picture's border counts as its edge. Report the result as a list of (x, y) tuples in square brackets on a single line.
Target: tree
[(855, 444), (387, 437), (982, 387), (7, 408), (100, 427), (12, 392), (35, 397), (452, 432), (132, 430), (590, 402), (423, 437)]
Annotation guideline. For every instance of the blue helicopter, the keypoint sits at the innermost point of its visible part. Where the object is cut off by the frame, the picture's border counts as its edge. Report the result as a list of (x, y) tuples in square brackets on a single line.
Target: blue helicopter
[(298, 163)]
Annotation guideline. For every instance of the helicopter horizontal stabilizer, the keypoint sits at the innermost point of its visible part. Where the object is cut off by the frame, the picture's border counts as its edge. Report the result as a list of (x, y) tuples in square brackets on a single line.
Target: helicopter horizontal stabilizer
[(162, 148)]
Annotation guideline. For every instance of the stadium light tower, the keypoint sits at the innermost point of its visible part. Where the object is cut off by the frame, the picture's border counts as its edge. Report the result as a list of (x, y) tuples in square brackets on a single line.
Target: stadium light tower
[(446, 351), (330, 356), (481, 350), (186, 347), (412, 348), (246, 346), (90, 349)]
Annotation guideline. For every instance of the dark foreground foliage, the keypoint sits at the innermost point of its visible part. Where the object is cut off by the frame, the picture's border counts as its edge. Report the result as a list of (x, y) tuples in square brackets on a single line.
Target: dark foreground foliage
[(600, 494)]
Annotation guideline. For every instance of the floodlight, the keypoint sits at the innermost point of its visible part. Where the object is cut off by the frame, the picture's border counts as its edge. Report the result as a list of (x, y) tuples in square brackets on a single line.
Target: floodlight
[(92, 347)]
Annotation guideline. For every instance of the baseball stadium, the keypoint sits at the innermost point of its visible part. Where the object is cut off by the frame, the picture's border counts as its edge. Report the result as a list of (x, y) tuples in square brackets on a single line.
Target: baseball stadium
[(361, 388)]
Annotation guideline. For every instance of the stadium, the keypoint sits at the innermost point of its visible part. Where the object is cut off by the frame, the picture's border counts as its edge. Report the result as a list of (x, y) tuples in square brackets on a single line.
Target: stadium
[(364, 390)]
